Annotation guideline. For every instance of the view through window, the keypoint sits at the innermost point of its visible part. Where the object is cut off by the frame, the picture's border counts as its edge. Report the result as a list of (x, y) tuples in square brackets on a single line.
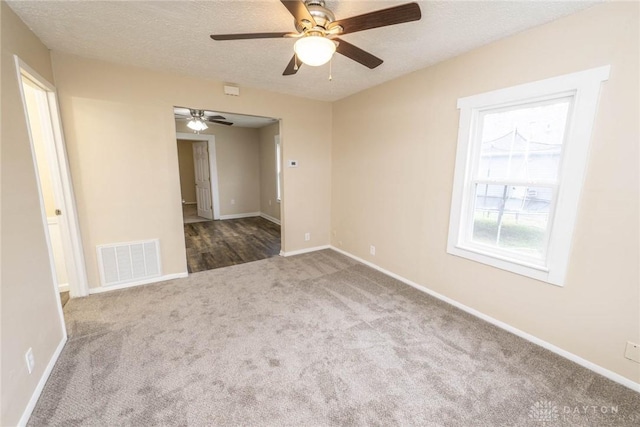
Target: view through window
[(516, 177)]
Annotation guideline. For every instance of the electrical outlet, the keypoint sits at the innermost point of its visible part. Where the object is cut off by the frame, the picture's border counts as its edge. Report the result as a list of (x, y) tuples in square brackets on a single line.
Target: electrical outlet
[(632, 351), (307, 237), (31, 361), (233, 201), (372, 250)]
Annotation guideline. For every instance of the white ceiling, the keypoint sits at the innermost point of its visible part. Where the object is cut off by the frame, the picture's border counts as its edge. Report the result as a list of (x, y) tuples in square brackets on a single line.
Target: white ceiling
[(174, 36)]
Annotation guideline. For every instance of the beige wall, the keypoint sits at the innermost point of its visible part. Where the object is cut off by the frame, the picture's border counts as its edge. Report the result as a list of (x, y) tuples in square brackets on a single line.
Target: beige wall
[(394, 149), (268, 196), (187, 172), (237, 160), (120, 130), (29, 313)]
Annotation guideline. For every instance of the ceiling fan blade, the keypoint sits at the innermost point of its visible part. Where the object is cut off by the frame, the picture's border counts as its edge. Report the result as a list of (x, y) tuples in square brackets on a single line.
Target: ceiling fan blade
[(292, 67), (357, 54), (299, 11), (380, 18), (245, 36), (222, 122), (214, 117)]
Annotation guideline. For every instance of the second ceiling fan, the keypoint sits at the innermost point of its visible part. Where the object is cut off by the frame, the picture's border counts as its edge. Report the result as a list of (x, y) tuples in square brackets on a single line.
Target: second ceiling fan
[(317, 32)]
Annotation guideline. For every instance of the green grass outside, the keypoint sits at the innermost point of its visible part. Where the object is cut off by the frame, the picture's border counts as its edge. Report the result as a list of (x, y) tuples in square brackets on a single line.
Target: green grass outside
[(513, 235)]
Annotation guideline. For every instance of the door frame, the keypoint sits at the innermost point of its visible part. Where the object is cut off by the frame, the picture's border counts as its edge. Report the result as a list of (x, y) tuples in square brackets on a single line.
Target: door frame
[(62, 185), (213, 166)]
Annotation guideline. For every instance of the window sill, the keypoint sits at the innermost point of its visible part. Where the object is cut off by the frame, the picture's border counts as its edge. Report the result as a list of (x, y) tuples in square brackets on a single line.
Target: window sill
[(522, 268)]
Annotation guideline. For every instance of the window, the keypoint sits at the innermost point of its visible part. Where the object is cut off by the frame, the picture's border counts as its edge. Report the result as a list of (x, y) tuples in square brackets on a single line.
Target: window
[(278, 168), (521, 157)]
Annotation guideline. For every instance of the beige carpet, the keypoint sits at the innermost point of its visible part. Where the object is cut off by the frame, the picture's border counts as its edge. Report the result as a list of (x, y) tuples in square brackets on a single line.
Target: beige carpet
[(311, 340)]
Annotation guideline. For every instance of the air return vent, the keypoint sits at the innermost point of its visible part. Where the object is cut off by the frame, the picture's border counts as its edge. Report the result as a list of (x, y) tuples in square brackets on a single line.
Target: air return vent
[(129, 262)]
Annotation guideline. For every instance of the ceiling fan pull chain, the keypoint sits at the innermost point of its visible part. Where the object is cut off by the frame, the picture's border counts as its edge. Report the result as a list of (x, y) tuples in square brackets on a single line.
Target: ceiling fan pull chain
[(295, 62), (330, 62)]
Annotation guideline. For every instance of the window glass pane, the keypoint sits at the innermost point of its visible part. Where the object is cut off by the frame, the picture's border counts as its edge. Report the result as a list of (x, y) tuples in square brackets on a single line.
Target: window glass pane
[(523, 142), (512, 218)]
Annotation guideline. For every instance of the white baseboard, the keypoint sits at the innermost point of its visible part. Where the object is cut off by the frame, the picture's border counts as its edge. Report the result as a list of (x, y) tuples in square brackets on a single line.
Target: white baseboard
[(270, 218), (63, 287), (304, 251), (43, 380), (189, 203), (544, 344), (240, 215), (139, 283)]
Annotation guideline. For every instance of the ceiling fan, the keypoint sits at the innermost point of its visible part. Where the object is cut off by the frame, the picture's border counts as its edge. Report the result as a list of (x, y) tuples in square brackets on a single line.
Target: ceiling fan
[(197, 118), (318, 31)]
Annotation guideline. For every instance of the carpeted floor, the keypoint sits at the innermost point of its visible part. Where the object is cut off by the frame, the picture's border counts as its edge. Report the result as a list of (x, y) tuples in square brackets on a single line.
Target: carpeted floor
[(311, 340)]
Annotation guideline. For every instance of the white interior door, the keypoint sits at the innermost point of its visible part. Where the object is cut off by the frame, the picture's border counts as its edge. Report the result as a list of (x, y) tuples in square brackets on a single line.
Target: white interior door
[(203, 181), (54, 181)]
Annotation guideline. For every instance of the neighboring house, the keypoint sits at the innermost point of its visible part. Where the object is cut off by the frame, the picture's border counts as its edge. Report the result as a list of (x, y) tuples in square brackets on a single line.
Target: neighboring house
[(515, 156)]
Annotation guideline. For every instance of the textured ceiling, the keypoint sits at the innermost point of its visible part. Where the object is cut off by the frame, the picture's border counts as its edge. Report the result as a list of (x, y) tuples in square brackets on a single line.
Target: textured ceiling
[(174, 36)]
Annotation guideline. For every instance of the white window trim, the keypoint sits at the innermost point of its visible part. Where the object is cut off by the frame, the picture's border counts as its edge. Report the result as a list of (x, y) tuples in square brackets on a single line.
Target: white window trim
[(586, 87)]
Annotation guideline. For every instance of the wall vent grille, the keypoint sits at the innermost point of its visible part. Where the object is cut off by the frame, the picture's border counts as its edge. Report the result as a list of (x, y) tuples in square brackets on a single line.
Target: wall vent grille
[(131, 262)]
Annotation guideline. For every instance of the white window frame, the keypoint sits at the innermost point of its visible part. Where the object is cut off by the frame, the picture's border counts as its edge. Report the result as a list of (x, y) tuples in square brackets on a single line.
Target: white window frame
[(584, 86)]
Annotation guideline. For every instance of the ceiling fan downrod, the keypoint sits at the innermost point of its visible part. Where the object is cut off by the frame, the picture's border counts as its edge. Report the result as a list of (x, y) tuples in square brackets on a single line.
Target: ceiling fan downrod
[(320, 14)]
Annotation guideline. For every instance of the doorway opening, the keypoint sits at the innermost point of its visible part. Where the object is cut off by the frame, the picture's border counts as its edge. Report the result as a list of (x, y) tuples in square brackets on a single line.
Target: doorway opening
[(198, 177), (57, 201), (231, 187)]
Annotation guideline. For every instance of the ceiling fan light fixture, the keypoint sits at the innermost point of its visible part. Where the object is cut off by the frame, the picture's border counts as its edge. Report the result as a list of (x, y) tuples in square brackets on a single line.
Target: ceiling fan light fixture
[(197, 125), (314, 50)]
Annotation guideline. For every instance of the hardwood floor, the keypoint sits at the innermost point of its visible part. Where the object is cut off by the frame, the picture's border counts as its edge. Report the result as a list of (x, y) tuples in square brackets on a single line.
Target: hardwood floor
[(215, 244)]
